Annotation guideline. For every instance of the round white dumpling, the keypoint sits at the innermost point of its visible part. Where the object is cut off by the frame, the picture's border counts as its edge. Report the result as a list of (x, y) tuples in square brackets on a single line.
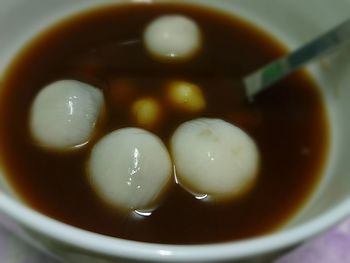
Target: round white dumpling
[(173, 37), (64, 114), (215, 158), (130, 168)]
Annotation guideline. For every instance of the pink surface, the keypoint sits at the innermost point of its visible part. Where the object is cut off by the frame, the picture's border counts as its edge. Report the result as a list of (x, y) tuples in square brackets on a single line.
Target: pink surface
[(331, 247)]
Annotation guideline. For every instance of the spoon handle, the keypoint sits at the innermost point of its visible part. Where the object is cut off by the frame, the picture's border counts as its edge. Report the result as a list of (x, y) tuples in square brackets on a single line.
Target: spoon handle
[(276, 70)]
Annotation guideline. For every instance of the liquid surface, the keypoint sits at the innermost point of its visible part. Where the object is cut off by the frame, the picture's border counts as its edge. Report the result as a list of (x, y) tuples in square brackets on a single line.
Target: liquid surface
[(287, 122)]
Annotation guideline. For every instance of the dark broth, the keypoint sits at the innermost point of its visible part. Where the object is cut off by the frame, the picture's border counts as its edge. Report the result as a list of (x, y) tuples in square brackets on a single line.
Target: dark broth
[(104, 47)]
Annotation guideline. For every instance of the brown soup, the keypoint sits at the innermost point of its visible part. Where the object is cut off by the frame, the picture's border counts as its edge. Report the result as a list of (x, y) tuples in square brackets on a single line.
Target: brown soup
[(104, 47)]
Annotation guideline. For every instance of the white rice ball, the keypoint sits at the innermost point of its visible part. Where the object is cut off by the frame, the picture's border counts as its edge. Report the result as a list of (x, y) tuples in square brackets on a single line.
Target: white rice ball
[(64, 114), (213, 157), (130, 168), (173, 38)]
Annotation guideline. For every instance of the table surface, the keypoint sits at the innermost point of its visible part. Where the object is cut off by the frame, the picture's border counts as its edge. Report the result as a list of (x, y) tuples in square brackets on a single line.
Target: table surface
[(331, 247)]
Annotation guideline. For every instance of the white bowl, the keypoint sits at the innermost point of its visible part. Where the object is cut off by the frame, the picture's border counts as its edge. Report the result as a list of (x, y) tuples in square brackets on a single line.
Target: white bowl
[(293, 22)]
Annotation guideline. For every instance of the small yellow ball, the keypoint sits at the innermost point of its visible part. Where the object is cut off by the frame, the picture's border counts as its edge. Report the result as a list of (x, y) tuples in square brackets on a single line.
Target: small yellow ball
[(146, 112), (185, 96)]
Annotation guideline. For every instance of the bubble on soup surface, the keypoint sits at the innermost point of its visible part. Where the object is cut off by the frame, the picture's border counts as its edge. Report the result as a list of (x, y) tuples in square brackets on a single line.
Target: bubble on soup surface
[(214, 157), (185, 96), (65, 113), (173, 38), (130, 169)]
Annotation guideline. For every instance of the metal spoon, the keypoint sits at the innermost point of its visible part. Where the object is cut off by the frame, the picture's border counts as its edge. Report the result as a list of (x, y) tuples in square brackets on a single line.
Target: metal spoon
[(264, 77)]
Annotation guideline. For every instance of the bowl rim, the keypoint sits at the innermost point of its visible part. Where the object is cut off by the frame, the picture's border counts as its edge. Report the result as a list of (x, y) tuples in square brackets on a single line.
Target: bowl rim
[(120, 248)]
